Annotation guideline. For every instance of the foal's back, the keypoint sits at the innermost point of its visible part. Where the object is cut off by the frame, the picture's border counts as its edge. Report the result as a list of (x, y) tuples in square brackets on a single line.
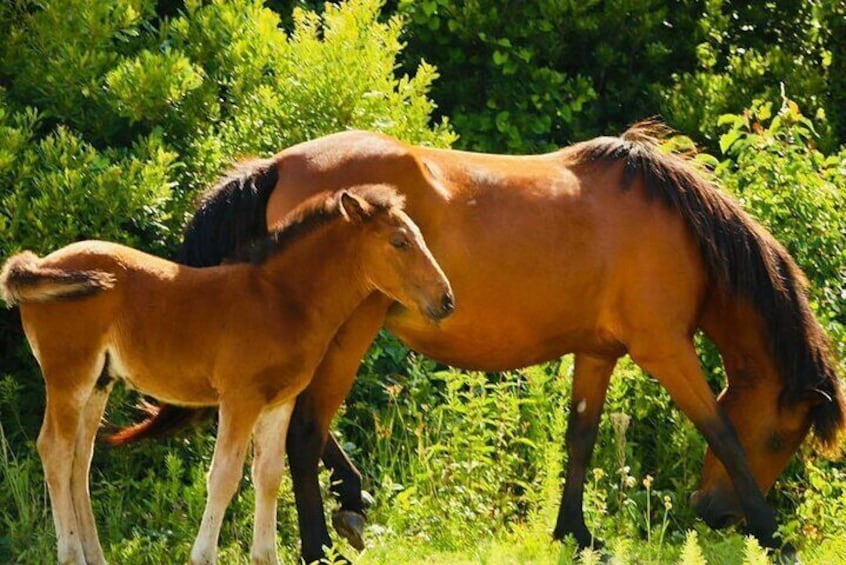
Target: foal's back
[(162, 327)]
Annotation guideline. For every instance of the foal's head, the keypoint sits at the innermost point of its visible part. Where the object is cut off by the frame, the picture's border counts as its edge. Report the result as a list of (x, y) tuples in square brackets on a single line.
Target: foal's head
[(394, 257)]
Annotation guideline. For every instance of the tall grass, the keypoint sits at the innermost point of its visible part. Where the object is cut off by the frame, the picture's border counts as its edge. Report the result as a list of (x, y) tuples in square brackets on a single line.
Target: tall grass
[(466, 467)]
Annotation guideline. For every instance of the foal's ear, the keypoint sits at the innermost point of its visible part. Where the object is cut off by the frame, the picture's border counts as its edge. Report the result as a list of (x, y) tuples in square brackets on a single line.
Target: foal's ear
[(352, 207)]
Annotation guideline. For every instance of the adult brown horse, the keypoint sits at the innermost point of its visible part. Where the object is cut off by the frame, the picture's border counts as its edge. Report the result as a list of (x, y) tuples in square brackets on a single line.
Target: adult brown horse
[(604, 248)]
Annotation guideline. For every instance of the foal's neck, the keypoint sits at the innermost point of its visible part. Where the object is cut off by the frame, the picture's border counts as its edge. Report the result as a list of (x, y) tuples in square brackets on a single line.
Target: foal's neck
[(321, 277)]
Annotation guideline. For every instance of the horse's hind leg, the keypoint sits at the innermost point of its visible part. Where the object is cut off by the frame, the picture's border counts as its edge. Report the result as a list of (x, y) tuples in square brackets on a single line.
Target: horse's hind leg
[(237, 418), (81, 467), (269, 438), (676, 366), (590, 383)]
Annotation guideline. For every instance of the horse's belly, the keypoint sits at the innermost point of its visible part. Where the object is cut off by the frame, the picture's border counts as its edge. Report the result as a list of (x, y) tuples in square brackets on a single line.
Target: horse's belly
[(471, 340)]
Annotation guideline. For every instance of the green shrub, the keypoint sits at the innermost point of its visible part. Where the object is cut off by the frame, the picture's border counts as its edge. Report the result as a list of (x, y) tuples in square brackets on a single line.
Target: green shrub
[(797, 192), (532, 76), (745, 51)]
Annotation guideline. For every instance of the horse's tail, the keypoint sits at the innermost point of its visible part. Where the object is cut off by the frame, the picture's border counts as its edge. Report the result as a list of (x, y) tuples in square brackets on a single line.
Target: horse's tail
[(24, 280), (161, 421), (228, 217), (743, 258)]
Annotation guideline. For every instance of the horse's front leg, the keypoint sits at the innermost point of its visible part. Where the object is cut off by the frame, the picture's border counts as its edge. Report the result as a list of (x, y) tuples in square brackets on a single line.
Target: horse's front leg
[(345, 486), (675, 364), (590, 383), (313, 414)]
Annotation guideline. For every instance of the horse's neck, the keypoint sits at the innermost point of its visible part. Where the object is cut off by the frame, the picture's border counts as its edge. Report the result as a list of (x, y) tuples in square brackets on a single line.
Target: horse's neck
[(740, 334), (320, 277)]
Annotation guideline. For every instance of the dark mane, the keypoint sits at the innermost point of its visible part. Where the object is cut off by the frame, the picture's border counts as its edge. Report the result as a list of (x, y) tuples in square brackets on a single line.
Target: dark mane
[(230, 215), (742, 257), (315, 212)]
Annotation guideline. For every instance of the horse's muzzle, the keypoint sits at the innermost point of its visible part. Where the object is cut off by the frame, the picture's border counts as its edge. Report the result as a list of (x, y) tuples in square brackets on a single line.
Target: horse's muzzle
[(715, 510)]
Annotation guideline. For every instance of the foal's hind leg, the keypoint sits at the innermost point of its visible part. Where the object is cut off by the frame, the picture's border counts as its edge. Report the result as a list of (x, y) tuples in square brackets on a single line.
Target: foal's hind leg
[(237, 417), (590, 383), (56, 443), (676, 366), (81, 467), (268, 465)]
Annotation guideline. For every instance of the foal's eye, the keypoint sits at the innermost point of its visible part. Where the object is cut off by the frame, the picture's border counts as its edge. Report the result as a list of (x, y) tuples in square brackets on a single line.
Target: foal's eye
[(400, 243)]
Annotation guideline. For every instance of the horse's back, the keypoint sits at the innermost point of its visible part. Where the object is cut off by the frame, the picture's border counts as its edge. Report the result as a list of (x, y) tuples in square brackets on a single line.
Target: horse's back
[(546, 253)]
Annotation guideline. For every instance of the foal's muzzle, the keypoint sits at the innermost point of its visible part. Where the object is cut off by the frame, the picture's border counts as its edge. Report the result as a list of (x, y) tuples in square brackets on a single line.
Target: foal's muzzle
[(444, 309)]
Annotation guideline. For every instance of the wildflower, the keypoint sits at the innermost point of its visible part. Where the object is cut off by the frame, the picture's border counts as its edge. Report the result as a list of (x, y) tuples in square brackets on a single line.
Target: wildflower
[(647, 481)]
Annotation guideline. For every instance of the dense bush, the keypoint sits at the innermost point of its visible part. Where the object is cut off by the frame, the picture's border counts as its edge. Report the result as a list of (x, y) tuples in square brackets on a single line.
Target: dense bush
[(797, 192), (532, 76), (524, 77)]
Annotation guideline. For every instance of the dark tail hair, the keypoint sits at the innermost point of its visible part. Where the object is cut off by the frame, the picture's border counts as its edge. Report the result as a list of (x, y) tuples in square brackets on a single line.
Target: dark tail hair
[(24, 280), (229, 217), (742, 257)]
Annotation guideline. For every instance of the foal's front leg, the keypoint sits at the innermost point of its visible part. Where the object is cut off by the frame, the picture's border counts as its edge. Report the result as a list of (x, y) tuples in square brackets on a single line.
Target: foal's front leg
[(268, 466), (237, 418)]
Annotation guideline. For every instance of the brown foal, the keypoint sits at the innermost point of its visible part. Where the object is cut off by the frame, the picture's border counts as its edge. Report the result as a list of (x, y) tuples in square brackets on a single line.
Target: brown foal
[(246, 337)]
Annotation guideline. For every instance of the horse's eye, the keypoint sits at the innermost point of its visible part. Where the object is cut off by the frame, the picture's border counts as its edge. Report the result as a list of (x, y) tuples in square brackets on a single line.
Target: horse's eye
[(775, 442)]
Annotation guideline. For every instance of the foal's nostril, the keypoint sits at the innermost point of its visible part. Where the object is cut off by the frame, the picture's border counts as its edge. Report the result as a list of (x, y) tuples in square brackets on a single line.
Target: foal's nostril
[(447, 303)]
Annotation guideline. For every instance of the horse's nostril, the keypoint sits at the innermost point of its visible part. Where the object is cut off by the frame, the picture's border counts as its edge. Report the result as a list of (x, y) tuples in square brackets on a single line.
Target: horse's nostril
[(696, 500)]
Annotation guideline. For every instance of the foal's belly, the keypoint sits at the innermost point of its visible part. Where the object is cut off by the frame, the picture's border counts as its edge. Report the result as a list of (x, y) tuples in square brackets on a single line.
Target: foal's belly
[(158, 380)]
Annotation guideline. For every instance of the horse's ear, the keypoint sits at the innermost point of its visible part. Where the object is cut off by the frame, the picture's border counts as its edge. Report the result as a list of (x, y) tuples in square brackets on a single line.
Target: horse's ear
[(817, 396), (352, 207)]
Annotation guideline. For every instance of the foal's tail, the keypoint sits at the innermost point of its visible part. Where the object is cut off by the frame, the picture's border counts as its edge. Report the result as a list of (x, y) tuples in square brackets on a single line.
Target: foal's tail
[(229, 217), (24, 280)]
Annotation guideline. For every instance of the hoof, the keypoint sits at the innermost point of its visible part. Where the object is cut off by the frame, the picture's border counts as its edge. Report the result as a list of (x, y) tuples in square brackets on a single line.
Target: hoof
[(583, 539), (787, 556), (351, 526)]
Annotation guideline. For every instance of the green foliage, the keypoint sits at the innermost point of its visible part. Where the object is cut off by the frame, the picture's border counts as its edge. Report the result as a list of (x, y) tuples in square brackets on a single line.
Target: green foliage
[(746, 50), (797, 192), (532, 76), (524, 77)]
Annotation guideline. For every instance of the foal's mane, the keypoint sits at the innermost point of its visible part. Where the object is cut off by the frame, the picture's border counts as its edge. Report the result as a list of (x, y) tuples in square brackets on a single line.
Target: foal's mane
[(742, 257), (315, 212)]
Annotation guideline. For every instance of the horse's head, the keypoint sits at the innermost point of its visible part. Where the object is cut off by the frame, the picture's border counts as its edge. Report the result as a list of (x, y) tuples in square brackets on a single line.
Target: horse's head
[(395, 258), (771, 425)]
